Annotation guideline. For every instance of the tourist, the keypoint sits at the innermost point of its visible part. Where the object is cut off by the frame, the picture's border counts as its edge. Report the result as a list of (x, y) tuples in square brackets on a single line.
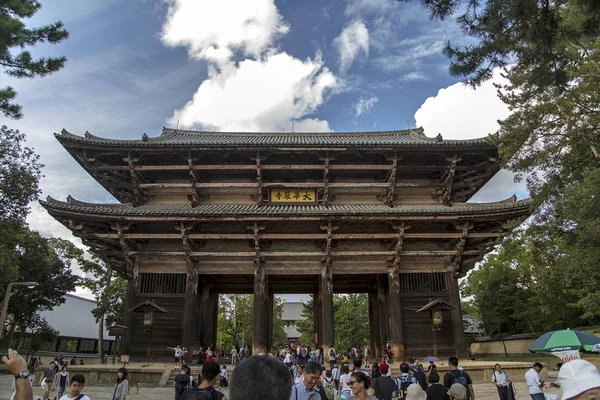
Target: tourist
[(404, 380), (384, 387), (418, 372), (209, 354), (17, 366), (182, 381), (360, 383), (75, 388), (211, 372), (357, 366), (532, 377), (375, 372), (47, 380), (335, 375), (81, 361), (234, 355), (73, 361), (223, 382), (287, 360), (366, 356), (273, 378), (579, 380), (503, 384), (332, 357), (305, 390), (299, 375), (345, 390), (122, 385), (431, 367), (415, 392), (176, 356), (63, 381), (458, 376), (301, 355), (556, 384), (418, 364), (329, 385), (436, 391), (182, 357)]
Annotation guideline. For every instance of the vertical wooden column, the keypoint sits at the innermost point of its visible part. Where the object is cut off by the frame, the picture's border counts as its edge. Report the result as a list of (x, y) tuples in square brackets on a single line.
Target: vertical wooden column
[(326, 338), (396, 323), (376, 345), (128, 317), (457, 322), (189, 311), (261, 316), (317, 319), (381, 310), (270, 320), (203, 320), (213, 304)]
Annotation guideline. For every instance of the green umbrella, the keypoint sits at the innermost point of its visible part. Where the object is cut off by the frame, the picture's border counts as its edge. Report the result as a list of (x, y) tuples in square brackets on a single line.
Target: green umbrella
[(565, 339)]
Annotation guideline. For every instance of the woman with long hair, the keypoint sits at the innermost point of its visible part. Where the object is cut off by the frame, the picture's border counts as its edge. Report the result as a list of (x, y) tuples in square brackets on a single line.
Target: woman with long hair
[(360, 383), (63, 381), (122, 385), (375, 372)]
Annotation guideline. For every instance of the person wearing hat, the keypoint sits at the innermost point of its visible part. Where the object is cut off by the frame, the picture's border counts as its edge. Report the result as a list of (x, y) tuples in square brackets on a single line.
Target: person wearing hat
[(532, 377), (384, 387), (579, 380)]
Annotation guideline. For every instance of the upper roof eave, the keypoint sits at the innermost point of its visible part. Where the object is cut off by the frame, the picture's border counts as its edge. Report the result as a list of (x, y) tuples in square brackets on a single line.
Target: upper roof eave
[(520, 207), (176, 139)]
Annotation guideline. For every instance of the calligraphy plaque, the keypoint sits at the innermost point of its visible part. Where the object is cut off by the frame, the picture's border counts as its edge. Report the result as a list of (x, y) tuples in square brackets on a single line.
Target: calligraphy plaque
[(287, 196)]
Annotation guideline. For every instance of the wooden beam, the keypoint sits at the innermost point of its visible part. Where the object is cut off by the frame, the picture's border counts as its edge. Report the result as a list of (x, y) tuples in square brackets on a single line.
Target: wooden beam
[(325, 199), (127, 247), (448, 179), (194, 178), (455, 262), (139, 197), (292, 236), (259, 180)]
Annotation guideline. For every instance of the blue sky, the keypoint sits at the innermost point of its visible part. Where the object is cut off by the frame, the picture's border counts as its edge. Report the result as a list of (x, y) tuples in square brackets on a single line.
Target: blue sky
[(255, 65)]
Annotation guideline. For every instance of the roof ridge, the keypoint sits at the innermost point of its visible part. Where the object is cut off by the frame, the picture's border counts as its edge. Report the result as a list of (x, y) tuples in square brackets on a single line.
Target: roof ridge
[(415, 132)]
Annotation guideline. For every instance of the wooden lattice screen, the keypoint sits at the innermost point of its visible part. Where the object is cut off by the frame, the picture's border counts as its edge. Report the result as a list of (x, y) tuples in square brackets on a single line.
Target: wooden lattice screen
[(422, 283), (161, 283)]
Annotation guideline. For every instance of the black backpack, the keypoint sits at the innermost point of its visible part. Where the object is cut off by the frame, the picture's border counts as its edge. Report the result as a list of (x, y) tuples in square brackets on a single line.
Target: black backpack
[(182, 386), (201, 394), (403, 383), (420, 377)]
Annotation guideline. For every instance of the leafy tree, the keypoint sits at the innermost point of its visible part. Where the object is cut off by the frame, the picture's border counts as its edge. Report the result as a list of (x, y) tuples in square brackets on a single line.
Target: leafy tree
[(43, 261), (15, 34), (279, 335), (351, 317), (306, 325), (235, 322), (41, 334)]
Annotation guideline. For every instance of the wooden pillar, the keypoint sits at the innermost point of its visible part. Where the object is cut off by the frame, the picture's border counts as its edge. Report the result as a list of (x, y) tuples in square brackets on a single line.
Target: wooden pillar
[(376, 345), (189, 311), (326, 337), (203, 318), (213, 304), (316, 319), (397, 332), (260, 327), (270, 320), (381, 310), (457, 323), (128, 317)]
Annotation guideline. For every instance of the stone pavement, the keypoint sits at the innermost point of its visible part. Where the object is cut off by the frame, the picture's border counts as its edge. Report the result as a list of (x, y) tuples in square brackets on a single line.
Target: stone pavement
[(483, 391)]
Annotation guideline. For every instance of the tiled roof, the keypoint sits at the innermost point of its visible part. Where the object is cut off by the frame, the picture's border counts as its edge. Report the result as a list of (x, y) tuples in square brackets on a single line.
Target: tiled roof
[(182, 138), (224, 210)]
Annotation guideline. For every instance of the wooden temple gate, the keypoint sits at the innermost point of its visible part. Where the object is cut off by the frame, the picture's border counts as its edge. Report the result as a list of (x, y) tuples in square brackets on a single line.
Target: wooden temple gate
[(205, 213)]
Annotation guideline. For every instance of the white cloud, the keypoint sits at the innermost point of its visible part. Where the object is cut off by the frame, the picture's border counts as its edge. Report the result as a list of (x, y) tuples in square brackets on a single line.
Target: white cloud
[(267, 90), (351, 43), (460, 112), (199, 25), (364, 105)]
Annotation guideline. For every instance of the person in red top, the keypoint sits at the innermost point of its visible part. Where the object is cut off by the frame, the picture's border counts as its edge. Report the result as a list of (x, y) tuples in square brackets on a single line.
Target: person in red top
[(216, 353)]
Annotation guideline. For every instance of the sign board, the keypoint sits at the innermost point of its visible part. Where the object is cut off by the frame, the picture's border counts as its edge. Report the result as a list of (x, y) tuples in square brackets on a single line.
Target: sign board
[(124, 358), (567, 355), (293, 196)]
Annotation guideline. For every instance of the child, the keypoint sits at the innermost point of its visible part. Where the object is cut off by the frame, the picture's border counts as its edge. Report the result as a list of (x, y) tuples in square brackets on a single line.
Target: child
[(224, 376), (75, 388)]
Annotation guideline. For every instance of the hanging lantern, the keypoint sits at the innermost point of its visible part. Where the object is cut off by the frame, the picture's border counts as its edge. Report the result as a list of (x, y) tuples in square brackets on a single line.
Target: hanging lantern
[(436, 319), (148, 320)]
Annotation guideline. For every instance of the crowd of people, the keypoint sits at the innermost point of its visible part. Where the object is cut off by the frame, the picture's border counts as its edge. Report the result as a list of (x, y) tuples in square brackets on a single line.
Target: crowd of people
[(268, 377)]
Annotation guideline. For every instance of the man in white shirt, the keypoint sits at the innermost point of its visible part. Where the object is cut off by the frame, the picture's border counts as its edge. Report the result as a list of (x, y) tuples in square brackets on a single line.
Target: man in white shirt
[(335, 375), (502, 381), (532, 377)]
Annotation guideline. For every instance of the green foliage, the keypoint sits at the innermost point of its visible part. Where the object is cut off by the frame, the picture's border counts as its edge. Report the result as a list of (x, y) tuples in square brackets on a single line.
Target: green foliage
[(46, 262), (109, 290), (41, 334), (306, 325), (279, 335), (235, 320), (351, 320), (20, 172), (15, 34)]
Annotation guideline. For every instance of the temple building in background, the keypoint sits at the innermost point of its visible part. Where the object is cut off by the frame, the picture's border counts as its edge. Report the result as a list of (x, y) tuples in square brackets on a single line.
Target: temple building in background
[(205, 213)]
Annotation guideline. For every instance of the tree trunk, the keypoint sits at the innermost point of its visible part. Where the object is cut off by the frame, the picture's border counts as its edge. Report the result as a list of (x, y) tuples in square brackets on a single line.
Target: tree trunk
[(101, 323)]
